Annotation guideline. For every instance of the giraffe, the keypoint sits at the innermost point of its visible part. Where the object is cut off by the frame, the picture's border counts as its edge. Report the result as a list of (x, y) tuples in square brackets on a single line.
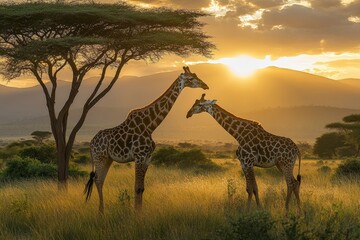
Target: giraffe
[(131, 140), (257, 147)]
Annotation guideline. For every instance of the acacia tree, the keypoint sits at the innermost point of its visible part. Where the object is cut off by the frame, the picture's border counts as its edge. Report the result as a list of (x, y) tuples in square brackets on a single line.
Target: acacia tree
[(40, 136), (350, 128), (44, 39)]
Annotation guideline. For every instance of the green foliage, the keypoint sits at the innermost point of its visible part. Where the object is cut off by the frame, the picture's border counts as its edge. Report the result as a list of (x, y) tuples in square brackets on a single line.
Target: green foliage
[(55, 29), (346, 151), (296, 228), (40, 136), (255, 225), (352, 118), (43, 153), (326, 145), (349, 169), (187, 145), (82, 158), (18, 168), (191, 159), (351, 129), (75, 171)]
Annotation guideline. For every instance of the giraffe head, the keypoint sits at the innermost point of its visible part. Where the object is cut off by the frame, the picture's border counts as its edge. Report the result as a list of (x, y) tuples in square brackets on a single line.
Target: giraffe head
[(201, 105), (189, 79)]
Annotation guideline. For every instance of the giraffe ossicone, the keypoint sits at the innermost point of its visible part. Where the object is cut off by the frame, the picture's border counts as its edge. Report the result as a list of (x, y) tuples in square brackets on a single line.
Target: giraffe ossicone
[(132, 141), (257, 147)]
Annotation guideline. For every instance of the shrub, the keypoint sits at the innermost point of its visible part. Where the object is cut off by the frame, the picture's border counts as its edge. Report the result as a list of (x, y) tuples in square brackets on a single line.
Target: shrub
[(256, 225), (43, 153), (192, 159), (187, 145), (349, 169), (74, 171), (17, 168), (82, 158), (167, 156)]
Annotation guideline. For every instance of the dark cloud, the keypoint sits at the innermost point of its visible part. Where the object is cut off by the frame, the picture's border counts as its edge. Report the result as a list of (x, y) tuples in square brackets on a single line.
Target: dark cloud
[(282, 30), (297, 16), (325, 3), (267, 3)]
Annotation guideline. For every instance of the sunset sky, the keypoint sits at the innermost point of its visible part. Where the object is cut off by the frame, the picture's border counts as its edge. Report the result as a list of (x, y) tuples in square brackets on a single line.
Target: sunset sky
[(316, 36)]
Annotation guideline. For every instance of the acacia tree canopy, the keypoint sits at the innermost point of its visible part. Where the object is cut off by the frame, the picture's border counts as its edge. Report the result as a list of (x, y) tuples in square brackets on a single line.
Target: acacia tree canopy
[(350, 127), (43, 39)]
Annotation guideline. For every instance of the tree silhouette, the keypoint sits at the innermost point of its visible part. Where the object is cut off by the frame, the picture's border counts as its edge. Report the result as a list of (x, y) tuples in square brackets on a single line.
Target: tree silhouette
[(325, 146), (350, 127), (40, 136), (43, 39)]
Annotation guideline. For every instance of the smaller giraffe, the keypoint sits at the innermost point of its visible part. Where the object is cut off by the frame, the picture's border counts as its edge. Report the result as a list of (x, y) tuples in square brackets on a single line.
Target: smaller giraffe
[(257, 147), (131, 141)]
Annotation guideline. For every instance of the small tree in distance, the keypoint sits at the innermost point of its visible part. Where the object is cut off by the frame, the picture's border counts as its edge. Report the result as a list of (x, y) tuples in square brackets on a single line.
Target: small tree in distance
[(325, 146), (43, 39), (41, 136), (350, 128)]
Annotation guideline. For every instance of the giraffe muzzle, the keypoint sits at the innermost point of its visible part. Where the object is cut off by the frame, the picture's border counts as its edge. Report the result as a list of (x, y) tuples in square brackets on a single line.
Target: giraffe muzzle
[(189, 114), (205, 87)]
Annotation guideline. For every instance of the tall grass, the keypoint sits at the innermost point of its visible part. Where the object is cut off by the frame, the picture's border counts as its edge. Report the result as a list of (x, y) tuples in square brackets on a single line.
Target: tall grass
[(181, 205)]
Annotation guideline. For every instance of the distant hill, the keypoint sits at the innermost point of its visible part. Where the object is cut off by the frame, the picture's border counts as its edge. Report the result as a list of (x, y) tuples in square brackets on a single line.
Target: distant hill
[(353, 82), (286, 102)]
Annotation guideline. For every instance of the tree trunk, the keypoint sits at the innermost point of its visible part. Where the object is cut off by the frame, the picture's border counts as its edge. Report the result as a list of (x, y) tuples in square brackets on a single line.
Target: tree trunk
[(63, 166)]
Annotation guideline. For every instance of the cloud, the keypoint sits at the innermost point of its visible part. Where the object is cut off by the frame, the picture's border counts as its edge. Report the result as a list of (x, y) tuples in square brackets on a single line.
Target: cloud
[(277, 27), (325, 3), (352, 63), (267, 3), (299, 17)]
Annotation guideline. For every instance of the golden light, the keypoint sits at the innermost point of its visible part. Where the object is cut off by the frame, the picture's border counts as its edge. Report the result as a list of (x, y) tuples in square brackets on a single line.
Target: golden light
[(244, 66)]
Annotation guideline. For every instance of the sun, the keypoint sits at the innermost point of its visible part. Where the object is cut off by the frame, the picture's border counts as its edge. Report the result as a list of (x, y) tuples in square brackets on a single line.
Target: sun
[(245, 66)]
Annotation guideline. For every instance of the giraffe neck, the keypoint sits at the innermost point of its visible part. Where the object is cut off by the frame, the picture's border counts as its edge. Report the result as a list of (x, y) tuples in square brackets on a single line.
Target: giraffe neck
[(239, 128), (152, 115)]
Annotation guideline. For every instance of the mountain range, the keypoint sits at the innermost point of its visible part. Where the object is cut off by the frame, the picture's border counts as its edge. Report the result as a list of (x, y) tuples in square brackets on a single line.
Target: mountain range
[(286, 102)]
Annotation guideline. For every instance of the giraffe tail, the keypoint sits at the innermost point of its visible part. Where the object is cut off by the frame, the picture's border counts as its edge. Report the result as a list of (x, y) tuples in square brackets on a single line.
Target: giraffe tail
[(298, 178), (89, 186)]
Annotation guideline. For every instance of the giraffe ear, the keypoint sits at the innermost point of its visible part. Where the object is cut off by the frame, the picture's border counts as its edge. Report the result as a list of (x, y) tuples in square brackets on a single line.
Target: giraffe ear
[(213, 101)]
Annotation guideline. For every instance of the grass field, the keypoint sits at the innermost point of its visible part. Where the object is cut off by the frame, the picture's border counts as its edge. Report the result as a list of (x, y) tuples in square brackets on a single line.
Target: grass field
[(184, 205)]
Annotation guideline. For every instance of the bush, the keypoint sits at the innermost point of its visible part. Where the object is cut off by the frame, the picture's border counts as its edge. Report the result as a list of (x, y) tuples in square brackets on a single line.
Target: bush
[(256, 225), (192, 159), (349, 169), (82, 158), (43, 153), (346, 151), (18, 168), (187, 145)]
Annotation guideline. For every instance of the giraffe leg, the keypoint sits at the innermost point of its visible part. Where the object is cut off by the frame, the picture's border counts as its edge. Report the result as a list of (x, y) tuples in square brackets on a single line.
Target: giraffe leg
[(140, 171), (256, 193), (102, 167), (297, 195), (291, 187), (251, 186)]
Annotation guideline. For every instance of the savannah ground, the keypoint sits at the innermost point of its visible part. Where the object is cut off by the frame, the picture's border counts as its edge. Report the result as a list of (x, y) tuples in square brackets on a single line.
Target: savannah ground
[(181, 204)]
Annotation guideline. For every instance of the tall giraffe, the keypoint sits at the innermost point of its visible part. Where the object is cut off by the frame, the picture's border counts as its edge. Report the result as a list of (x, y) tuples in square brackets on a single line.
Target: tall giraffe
[(257, 147), (131, 140)]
